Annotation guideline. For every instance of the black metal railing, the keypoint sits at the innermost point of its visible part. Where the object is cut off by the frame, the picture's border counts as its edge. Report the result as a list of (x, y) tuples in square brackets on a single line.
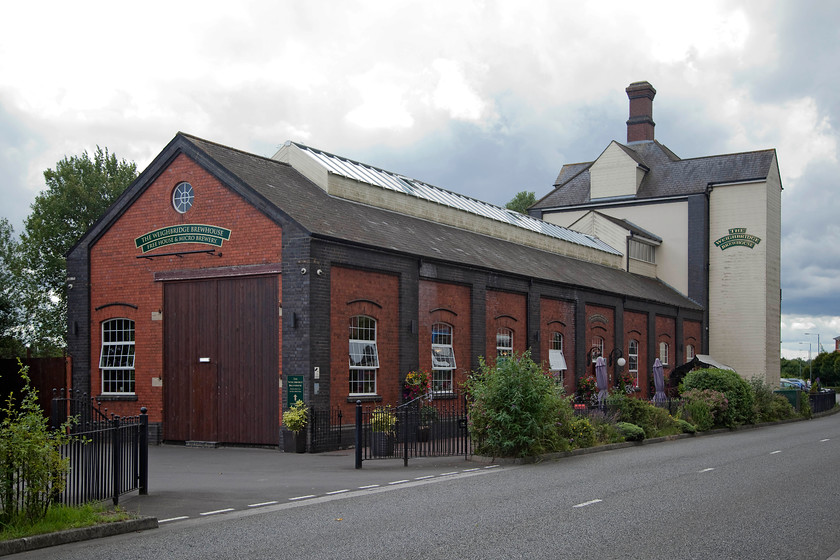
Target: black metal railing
[(822, 401), (326, 430), (419, 428), (108, 457)]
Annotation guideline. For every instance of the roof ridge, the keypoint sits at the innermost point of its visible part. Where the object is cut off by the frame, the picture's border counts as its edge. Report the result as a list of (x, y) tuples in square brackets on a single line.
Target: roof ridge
[(194, 138)]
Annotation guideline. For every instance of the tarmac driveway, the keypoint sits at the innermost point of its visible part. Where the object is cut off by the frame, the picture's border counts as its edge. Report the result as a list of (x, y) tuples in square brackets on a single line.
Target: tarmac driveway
[(189, 483)]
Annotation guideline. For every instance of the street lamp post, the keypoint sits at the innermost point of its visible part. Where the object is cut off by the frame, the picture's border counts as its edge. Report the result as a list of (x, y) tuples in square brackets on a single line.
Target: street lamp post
[(810, 375)]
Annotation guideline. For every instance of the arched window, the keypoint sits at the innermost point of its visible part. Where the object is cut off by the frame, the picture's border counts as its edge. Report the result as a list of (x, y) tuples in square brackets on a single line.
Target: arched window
[(364, 356), (663, 353), (443, 358), (689, 352), (116, 358), (504, 343)]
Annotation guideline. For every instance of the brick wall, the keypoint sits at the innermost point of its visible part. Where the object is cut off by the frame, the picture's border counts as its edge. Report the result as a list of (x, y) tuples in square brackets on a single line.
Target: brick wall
[(441, 302), (559, 316), (635, 328), (505, 310), (118, 276), (666, 328), (372, 294)]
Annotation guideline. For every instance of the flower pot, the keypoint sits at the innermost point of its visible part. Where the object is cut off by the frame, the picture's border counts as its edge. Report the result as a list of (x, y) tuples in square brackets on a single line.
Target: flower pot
[(300, 442), (382, 444)]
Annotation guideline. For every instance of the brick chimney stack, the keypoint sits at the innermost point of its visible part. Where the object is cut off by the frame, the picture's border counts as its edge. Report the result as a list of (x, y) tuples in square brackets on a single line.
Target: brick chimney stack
[(640, 124)]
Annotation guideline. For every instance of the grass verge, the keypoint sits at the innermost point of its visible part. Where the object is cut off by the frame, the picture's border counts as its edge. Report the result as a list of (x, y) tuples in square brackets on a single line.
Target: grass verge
[(61, 517)]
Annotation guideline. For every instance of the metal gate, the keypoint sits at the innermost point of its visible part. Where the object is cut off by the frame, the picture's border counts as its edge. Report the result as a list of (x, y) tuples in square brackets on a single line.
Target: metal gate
[(418, 428)]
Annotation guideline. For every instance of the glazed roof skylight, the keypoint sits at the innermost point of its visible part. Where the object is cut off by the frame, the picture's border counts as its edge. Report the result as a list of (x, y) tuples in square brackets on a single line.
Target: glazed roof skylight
[(412, 187)]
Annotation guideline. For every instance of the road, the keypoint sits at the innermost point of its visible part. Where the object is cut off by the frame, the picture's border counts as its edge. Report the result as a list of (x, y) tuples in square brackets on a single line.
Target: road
[(752, 494)]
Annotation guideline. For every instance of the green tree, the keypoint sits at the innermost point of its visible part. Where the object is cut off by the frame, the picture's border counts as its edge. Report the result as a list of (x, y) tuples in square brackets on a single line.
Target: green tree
[(521, 202), (827, 367), (10, 345), (78, 192), (796, 368)]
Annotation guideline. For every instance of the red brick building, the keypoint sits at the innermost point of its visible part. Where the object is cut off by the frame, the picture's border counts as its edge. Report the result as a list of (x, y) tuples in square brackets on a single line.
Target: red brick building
[(222, 284)]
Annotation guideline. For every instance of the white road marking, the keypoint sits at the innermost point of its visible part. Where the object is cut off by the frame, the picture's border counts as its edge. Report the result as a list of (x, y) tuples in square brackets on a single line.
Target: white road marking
[(217, 511), (425, 477), (470, 470), (368, 486), (707, 470), (174, 519), (448, 473), (336, 492), (302, 497), (775, 452), (824, 440), (271, 503), (398, 481), (492, 467), (589, 503)]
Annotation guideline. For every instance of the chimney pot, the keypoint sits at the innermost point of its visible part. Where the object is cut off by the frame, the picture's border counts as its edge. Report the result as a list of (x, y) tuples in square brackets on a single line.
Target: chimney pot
[(640, 124)]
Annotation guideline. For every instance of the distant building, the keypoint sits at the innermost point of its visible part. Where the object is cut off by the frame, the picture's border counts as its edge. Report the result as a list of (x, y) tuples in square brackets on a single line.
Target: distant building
[(710, 227)]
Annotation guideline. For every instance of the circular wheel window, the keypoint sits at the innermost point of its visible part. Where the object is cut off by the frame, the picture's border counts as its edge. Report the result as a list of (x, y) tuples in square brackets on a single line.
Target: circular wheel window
[(182, 197)]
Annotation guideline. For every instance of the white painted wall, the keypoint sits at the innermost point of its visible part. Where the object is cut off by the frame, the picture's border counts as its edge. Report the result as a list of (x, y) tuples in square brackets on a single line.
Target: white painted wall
[(614, 173)]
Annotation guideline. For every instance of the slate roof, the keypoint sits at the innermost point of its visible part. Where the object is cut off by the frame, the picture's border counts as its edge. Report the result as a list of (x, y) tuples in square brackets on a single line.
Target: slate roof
[(332, 218), (668, 175)]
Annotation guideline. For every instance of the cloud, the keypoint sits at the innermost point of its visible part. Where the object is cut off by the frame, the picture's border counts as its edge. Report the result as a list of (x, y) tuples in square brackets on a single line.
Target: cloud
[(487, 98)]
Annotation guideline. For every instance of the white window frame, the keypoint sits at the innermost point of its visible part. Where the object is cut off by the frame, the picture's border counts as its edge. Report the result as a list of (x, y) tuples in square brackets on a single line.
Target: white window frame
[(598, 342), (556, 359), (363, 355), (641, 251), (504, 343), (443, 358), (689, 352), (116, 357), (663, 352), (633, 359)]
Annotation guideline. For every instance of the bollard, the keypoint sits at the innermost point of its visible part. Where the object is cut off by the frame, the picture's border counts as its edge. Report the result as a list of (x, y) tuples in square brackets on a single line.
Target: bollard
[(358, 434)]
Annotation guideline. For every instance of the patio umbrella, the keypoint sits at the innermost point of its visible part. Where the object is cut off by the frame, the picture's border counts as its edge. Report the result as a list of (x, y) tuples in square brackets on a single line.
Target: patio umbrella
[(601, 378), (659, 381)]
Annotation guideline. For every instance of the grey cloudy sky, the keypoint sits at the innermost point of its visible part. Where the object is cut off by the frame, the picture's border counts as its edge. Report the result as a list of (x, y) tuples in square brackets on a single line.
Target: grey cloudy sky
[(485, 98)]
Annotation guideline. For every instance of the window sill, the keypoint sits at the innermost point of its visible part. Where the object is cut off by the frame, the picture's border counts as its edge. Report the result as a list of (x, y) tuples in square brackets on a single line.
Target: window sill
[(444, 396), (364, 398), (116, 398)]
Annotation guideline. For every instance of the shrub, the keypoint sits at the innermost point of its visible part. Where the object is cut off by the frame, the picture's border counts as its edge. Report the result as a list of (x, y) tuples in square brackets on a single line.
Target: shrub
[(686, 427), (296, 417), (604, 425), (708, 408), (653, 420), (32, 470), (736, 388), (769, 406), (383, 419), (581, 433), (515, 409), (698, 413), (631, 432)]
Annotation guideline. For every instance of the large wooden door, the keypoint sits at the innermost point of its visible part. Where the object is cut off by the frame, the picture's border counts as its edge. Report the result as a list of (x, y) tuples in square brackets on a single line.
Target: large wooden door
[(221, 360)]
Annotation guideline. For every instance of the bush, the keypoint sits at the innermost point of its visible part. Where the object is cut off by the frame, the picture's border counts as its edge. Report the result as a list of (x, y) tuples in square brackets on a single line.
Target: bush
[(32, 470), (769, 406), (655, 421), (707, 408), (698, 413), (631, 432), (686, 427), (296, 417), (582, 434), (604, 425), (736, 388), (515, 409)]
